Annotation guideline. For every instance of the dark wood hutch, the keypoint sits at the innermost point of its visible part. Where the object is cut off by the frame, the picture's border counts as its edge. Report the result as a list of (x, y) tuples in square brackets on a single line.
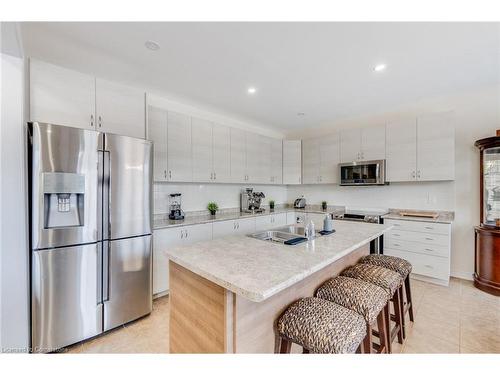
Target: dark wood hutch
[(487, 234)]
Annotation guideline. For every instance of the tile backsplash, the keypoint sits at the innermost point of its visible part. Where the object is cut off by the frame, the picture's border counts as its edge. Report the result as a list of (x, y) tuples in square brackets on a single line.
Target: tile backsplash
[(196, 196)]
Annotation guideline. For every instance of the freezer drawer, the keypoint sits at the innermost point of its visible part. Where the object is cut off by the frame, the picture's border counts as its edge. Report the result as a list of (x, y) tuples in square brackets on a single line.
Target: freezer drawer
[(66, 306), (127, 286)]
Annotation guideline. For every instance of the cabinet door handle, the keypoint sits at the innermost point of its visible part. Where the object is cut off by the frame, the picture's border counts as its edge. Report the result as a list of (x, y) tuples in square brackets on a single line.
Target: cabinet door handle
[(92, 120), (182, 233), (165, 173), (418, 174), (431, 228), (429, 249), (215, 176), (238, 225), (170, 174), (413, 174), (186, 233), (100, 121), (212, 176), (429, 239), (428, 266)]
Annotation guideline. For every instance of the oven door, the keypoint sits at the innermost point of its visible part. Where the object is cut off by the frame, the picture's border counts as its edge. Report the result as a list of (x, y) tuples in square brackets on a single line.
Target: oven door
[(362, 173)]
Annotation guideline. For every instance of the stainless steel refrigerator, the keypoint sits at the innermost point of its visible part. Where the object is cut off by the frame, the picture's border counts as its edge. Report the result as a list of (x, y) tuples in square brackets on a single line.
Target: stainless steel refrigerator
[(90, 237)]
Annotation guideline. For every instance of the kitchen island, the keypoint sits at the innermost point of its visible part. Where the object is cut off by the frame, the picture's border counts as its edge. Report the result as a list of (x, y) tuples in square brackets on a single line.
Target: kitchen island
[(226, 294)]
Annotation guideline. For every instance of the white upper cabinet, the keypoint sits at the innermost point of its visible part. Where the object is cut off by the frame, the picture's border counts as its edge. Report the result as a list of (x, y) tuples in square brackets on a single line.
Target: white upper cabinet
[(373, 143), (350, 145), (320, 158), (263, 173), (401, 151), (202, 150), (435, 147), (329, 159), (277, 161), (421, 149), (179, 147), (238, 155), (120, 109), (253, 158), (292, 159), (157, 132), (61, 96), (362, 144), (221, 153), (310, 161), (65, 97)]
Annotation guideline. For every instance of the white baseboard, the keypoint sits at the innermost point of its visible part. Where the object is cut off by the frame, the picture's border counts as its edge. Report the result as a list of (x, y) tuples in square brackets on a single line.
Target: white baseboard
[(431, 280), (462, 275), (161, 294)]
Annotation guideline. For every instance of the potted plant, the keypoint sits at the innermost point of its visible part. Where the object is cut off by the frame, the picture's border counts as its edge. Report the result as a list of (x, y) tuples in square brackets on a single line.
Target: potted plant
[(212, 207), (271, 205), (324, 205)]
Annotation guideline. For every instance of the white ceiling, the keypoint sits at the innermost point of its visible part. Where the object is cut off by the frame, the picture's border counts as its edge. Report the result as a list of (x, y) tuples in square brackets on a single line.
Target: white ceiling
[(322, 69)]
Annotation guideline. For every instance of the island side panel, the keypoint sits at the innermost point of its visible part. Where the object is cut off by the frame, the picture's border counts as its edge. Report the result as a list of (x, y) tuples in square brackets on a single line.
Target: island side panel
[(255, 321), (198, 314)]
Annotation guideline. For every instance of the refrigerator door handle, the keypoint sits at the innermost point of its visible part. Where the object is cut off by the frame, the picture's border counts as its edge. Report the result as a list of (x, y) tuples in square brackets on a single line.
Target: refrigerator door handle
[(105, 271), (99, 273), (106, 191)]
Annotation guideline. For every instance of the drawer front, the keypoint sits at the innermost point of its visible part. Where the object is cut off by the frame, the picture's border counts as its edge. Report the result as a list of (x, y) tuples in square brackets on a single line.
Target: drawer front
[(417, 247), (426, 265), (420, 226), (425, 238)]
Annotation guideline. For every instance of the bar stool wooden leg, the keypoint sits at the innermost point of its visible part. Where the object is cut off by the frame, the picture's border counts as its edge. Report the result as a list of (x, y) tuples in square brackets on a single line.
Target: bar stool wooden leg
[(382, 331), (402, 309), (409, 302), (367, 342), (305, 351), (397, 314), (285, 346), (387, 313)]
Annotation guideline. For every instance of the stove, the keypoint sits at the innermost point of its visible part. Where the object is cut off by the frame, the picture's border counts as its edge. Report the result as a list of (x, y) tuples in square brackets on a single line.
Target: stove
[(369, 215)]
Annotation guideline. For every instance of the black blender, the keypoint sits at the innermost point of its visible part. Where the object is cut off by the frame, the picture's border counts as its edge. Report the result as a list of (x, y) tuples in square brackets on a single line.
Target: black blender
[(176, 212)]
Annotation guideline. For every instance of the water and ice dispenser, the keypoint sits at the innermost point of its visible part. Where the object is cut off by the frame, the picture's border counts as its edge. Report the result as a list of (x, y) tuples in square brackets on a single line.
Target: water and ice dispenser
[(64, 197)]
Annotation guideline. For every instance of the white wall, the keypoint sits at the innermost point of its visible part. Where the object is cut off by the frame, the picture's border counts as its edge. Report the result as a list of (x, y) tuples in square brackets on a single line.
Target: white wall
[(14, 319), (196, 196), (476, 115)]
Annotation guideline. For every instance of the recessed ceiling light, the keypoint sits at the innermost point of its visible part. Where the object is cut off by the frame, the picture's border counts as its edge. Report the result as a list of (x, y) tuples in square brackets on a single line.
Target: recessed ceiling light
[(153, 46), (252, 90), (380, 67), (301, 114)]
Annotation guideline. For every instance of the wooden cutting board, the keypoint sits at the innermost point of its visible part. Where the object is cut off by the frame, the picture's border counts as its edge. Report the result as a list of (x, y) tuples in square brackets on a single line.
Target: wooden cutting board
[(427, 214)]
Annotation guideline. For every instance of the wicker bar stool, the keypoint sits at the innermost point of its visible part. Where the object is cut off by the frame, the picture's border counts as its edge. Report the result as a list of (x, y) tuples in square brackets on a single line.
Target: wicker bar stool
[(320, 326), (402, 267), (391, 282), (368, 300)]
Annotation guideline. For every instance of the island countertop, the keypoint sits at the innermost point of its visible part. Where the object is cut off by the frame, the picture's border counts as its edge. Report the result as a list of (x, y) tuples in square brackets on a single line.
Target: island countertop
[(257, 269)]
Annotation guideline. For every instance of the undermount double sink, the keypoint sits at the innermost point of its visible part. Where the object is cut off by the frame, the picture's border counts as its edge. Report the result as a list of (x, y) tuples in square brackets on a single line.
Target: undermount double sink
[(282, 234)]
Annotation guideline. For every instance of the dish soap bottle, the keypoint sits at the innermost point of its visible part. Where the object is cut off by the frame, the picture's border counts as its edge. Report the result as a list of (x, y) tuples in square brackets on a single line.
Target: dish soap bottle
[(327, 223)]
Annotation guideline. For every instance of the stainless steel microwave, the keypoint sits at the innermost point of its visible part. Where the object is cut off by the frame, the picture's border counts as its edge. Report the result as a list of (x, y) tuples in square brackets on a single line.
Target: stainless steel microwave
[(356, 173)]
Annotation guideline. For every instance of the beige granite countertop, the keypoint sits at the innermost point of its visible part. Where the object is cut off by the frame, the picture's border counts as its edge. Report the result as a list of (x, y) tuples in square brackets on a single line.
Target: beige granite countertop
[(258, 269), (162, 221), (445, 217)]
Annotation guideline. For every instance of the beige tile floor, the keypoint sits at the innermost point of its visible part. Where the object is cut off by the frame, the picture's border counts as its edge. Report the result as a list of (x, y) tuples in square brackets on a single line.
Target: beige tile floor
[(454, 319)]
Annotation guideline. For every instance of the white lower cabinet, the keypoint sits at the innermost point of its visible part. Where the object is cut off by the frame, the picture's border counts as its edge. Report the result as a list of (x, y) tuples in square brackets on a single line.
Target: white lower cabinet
[(233, 227), (270, 221), (291, 218), (425, 245), (168, 237)]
